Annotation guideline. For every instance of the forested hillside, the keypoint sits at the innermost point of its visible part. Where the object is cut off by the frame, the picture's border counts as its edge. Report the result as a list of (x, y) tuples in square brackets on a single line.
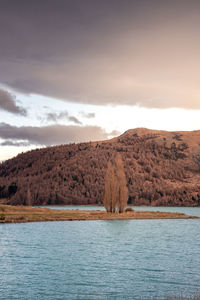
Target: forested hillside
[(162, 168)]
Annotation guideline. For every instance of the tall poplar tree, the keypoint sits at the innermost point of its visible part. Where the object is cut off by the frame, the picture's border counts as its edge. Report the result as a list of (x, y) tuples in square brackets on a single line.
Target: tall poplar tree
[(116, 191)]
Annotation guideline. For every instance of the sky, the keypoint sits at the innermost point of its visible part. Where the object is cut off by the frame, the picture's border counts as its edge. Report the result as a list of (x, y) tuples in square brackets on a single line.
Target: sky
[(75, 71)]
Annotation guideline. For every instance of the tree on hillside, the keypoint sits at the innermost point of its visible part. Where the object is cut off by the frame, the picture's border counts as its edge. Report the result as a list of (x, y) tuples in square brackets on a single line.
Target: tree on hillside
[(116, 191), (28, 197), (196, 159)]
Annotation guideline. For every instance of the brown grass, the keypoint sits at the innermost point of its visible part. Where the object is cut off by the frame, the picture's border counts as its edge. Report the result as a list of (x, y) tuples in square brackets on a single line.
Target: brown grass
[(20, 214)]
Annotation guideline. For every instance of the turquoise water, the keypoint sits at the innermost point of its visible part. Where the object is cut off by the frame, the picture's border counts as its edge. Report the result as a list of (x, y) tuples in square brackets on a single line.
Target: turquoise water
[(193, 211), (128, 259)]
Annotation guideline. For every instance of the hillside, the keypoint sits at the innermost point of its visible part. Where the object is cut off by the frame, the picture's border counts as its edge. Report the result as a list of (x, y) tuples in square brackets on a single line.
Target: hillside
[(162, 168)]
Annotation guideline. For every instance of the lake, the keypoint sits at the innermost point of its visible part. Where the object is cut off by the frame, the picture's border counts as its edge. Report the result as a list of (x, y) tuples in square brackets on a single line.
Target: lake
[(127, 259)]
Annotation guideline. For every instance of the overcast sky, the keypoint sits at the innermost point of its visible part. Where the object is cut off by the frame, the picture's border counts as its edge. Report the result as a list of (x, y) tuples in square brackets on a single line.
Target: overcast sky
[(74, 70)]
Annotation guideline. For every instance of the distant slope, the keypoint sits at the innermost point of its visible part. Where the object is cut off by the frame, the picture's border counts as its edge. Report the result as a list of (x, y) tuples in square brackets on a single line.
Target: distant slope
[(162, 168)]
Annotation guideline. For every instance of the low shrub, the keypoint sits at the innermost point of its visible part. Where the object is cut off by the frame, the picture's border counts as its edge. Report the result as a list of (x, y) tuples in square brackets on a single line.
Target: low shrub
[(129, 209), (2, 217)]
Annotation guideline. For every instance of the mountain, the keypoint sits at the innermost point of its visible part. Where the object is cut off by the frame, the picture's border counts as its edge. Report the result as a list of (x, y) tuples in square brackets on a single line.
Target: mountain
[(162, 168)]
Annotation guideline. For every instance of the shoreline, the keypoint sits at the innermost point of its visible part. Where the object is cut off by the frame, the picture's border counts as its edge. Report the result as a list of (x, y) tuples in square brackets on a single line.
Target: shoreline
[(23, 214), (101, 205)]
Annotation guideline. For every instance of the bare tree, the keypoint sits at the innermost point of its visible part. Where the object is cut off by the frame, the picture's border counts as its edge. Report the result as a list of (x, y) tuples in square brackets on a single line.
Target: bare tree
[(116, 192), (121, 187), (109, 200)]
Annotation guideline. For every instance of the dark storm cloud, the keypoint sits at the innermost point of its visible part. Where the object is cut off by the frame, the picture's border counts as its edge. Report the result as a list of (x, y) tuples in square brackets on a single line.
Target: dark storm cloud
[(7, 103), (118, 51), (51, 135)]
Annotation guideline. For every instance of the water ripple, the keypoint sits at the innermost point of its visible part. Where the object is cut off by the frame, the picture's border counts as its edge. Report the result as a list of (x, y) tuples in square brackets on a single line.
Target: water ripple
[(138, 259)]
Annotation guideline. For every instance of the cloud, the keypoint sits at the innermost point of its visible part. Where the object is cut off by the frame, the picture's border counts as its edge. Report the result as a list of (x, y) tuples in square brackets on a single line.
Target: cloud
[(54, 117), (14, 143), (87, 115), (51, 135), (114, 133), (143, 53), (57, 116), (75, 120), (7, 103)]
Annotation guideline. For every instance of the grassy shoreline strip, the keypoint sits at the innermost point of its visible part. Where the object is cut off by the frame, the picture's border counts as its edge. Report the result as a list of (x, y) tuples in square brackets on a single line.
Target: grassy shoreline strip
[(22, 214)]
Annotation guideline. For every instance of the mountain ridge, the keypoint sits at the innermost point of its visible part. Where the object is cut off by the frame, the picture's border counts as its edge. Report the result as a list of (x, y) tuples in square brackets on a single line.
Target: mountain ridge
[(162, 168)]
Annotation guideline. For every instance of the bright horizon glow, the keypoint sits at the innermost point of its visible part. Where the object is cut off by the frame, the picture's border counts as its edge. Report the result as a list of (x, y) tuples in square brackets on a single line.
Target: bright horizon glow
[(119, 118)]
